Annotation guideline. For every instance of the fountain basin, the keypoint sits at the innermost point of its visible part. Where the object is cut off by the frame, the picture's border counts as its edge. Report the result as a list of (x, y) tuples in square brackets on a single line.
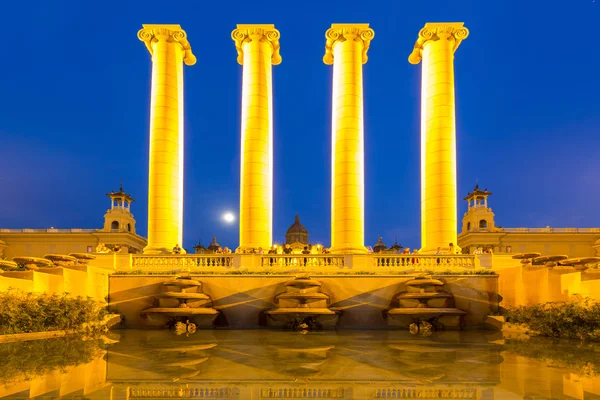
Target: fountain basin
[(322, 318), (419, 312), (160, 316), (302, 296)]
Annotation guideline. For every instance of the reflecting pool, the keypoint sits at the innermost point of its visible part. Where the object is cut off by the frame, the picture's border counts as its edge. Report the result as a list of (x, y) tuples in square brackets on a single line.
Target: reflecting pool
[(131, 364)]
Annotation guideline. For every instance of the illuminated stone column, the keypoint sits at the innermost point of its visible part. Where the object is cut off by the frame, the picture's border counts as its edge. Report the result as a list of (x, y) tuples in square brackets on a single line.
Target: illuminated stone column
[(346, 48), (436, 45), (169, 48), (257, 46)]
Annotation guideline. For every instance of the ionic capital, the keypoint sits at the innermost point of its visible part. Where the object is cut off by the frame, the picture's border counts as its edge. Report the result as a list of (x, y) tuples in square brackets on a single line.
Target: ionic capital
[(452, 31), (261, 32), (343, 32), (171, 33)]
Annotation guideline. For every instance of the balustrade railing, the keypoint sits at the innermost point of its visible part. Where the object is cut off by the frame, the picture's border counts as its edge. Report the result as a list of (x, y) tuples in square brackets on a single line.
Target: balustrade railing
[(302, 260), (425, 261), (158, 262), (183, 261)]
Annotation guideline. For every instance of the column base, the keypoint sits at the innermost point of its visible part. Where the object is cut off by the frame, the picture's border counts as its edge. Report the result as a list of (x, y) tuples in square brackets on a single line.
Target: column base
[(348, 250), (251, 249), (155, 250), (444, 249)]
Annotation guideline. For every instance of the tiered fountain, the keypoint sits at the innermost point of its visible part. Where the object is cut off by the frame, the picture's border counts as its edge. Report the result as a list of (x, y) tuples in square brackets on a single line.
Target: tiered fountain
[(183, 301), (303, 306), (424, 307)]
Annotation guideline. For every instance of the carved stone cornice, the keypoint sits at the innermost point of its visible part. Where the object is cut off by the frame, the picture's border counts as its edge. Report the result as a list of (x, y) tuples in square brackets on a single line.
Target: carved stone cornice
[(171, 33), (452, 31), (343, 32), (262, 32)]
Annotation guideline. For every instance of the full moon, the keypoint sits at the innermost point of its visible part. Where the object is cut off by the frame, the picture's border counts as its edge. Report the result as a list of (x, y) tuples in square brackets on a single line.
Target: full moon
[(228, 217)]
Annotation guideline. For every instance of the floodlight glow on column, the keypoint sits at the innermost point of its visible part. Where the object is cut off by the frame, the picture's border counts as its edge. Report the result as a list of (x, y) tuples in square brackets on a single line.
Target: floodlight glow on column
[(346, 48), (169, 48), (257, 46), (435, 46)]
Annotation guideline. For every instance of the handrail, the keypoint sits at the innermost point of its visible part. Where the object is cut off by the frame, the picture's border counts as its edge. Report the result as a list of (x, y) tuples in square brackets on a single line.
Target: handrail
[(420, 260), (183, 260), (302, 260)]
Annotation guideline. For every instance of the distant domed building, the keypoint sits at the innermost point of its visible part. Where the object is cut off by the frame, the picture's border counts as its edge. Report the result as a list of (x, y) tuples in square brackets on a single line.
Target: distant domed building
[(379, 246), (296, 233), (214, 246)]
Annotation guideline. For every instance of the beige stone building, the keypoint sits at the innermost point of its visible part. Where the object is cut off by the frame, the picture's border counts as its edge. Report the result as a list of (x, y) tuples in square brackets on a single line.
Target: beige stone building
[(479, 230), (118, 230)]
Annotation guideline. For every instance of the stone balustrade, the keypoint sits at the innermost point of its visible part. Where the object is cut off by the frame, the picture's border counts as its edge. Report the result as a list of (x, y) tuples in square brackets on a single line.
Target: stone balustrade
[(285, 262), (425, 261), (182, 261), (302, 260)]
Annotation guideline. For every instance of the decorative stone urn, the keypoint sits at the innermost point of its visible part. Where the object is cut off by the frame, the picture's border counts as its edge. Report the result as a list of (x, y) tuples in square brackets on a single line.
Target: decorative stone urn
[(33, 263), (83, 258), (6, 265), (61, 260)]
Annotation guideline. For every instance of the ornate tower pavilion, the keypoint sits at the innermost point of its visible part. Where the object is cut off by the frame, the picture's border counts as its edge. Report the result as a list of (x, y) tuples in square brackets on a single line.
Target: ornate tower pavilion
[(479, 217), (257, 46), (346, 49), (435, 46), (118, 217), (170, 49)]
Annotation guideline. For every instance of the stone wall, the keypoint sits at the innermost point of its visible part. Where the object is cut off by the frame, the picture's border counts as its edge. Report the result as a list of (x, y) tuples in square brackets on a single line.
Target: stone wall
[(524, 286), (243, 298), (82, 281)]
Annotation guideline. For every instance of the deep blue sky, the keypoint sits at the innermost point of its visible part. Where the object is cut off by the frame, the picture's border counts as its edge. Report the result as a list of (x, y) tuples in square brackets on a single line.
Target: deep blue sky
[(75, 105)]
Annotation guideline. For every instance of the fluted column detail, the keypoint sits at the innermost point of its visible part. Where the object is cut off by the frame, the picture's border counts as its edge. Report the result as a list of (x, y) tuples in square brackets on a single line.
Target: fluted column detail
[(257, 46), (435, 46), (346, 48), (169, 48)]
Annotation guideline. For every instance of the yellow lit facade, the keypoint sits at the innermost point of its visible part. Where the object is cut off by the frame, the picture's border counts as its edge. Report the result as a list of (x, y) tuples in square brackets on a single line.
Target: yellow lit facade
[(118, 230), (479, 231), (435, 46), (169, 48), (257, 46), (346, 49)]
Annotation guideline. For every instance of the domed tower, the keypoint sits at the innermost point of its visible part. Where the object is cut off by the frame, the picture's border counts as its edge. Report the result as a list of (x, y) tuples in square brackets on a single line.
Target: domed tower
[(379, 246), (118, 217), (296, 233), (214, 245)]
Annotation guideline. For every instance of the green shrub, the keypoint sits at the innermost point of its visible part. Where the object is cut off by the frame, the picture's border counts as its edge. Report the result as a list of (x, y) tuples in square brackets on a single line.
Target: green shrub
[(33, 312), (38, 357), (572, 320), (581, 358)]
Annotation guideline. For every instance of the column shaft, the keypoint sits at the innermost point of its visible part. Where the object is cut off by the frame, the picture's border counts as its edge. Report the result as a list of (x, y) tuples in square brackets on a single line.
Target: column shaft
[(169, 49), (258, 48), (436, 46), (346, 48)]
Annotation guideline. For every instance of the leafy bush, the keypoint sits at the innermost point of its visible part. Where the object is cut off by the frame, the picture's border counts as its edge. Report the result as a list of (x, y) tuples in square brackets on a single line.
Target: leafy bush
[(581, 358), (33, 312), (38, 357), (572, 320)]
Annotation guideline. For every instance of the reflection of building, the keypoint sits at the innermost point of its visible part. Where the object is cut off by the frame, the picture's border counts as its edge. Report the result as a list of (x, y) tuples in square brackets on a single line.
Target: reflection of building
[(119, 229), (479, 229), (296, 235)]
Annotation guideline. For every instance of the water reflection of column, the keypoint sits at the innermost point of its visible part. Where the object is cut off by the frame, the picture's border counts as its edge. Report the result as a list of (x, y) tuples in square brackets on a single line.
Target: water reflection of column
[(346, 48), (258, 49), (436, 45), (169, 48)]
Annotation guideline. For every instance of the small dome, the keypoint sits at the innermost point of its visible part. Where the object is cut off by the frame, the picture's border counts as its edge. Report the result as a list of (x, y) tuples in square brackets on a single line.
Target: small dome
[(379, 246), (214, 245), (297, 227)]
